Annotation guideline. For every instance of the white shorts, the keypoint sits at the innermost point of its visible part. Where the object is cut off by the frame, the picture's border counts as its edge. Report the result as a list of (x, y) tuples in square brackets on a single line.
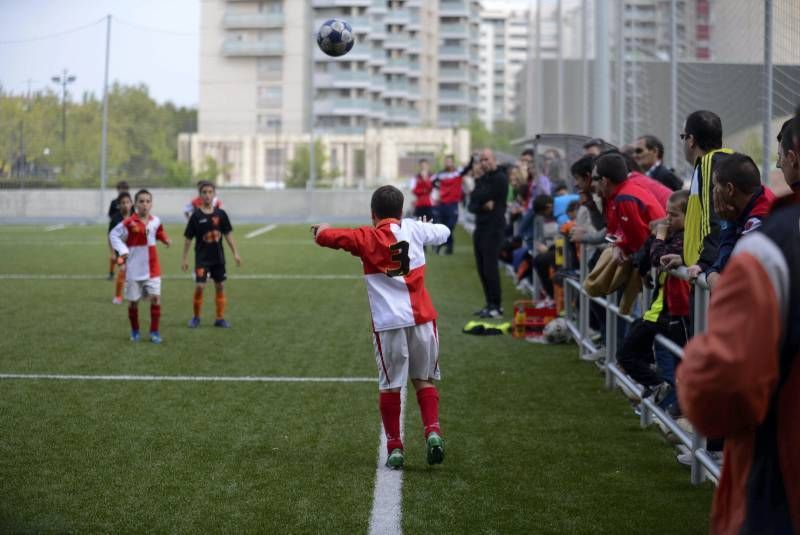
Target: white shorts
[(135, 290), (409, 351)]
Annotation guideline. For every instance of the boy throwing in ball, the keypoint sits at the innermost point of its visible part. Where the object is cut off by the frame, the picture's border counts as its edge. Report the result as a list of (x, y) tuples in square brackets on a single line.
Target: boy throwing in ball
[(404, 321)]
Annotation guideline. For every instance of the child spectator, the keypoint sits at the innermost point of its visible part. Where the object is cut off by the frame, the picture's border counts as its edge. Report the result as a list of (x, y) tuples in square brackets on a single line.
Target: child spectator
[(135, 241), (668, 313), (405, 337), (113, 220), (124, 206)]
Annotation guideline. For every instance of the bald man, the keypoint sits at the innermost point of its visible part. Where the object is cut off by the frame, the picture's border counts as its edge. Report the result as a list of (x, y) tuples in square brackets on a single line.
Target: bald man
[(488, 203)]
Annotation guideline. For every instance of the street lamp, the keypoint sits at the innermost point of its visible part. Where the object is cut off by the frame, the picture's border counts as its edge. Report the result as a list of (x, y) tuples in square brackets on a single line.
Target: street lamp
[(64, 80)]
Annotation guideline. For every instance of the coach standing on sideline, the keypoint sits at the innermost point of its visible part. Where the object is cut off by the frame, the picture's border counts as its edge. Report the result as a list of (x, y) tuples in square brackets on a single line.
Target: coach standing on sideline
[(488, 203)]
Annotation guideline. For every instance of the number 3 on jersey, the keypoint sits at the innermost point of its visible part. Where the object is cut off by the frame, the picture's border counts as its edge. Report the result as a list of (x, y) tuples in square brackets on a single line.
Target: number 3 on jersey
[(400, 255)]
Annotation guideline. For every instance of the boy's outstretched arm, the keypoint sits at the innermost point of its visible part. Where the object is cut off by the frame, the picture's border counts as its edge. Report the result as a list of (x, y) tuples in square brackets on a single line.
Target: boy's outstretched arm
[(232, 245), (348, 239)]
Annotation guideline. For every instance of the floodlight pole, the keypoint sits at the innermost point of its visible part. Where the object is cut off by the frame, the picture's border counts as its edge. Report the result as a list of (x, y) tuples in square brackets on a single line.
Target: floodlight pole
[(64, 80), (104, 139), (767, 134), (312, 167)]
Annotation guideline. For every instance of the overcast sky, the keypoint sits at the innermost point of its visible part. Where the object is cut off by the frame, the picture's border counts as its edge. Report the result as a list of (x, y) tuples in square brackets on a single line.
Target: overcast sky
[(154, 42)]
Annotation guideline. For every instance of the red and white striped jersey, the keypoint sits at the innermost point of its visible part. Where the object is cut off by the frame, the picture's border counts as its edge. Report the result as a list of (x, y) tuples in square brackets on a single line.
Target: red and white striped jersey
[(137, 239), (394, 267)]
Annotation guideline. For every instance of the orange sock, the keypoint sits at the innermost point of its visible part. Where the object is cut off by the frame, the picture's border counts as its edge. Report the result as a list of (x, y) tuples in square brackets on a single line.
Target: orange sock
[(220, 305), (197, 303), (120, 283)]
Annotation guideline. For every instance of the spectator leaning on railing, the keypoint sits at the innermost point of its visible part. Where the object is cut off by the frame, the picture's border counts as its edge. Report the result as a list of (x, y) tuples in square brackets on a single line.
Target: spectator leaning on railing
[(789, 152), (741, 379), (629, 208), (742, 203), (702, 147)]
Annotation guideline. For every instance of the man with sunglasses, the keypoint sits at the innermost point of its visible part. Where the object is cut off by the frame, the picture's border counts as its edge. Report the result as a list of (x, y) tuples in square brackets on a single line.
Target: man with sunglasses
[(702, 146), (649, 153)]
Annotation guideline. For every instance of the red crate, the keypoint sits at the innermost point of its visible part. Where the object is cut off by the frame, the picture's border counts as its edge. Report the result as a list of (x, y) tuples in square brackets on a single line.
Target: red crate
[(529, 320)]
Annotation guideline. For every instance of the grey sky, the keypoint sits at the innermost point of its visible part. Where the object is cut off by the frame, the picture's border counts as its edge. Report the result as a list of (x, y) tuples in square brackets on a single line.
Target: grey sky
[(166, 61)]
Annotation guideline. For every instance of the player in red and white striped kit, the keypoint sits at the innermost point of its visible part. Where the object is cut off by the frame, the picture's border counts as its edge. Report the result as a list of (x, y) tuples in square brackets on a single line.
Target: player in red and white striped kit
[(403, 318), (134, 240)]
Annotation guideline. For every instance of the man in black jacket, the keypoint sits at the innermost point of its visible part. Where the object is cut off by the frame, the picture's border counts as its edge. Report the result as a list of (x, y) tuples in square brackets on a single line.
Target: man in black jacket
[(649, 153), (488, 203)]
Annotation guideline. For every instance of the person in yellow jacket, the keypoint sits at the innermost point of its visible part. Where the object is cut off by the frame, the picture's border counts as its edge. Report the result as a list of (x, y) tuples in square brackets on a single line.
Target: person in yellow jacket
[(702, 147)]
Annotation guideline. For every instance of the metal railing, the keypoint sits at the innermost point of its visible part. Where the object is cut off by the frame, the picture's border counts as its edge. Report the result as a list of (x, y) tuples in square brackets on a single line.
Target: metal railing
[(703, 465)]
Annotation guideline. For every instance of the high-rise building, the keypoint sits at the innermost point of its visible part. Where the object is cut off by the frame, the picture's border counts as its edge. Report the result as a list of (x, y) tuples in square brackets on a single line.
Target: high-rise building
[(504, 45), (415, 63)]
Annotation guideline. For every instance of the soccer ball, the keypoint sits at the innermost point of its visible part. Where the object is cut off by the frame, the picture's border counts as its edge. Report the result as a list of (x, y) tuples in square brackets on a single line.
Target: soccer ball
[(335, 37), (555, 332)]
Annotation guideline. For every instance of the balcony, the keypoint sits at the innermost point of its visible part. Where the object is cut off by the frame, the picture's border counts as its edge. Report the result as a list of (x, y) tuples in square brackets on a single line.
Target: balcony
[(342, 79), (234, 48), (454, 53), (396, 89), (399, 16), (341, 106), (453, 8), (341, 3), (453, 97), (255, 21), (378, 57), (396, 41), (396, 66), (450, 118), (359, 24), (454, 30), (450, 74), (378, 6)]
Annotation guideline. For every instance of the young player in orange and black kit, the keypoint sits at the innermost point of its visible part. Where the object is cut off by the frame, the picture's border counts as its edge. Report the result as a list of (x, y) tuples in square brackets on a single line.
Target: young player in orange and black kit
[(207, 226)]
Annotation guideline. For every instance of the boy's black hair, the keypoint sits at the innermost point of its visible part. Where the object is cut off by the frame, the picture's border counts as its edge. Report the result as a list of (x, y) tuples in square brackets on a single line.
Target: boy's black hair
[(739, 170), (387, 202), (680, 198), (207, 184), (141, 192), (572, 206), (123, 194), (582, 167), (540, 203)]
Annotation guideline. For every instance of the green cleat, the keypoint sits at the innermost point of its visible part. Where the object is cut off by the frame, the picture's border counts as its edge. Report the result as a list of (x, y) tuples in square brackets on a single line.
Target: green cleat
[(435, 447), (395, 459)]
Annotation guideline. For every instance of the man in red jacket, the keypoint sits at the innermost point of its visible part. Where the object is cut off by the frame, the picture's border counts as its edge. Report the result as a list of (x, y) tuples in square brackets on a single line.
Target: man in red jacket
[(629, 208), (449, 182), (741, 379)]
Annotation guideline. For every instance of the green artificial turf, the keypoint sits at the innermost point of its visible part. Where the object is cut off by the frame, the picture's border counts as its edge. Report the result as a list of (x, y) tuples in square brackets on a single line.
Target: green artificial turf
[(535, 444)]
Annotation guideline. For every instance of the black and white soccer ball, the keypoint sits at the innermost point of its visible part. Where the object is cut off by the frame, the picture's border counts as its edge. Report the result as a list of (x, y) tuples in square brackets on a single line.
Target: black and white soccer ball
[(335, 37), (556, 331)]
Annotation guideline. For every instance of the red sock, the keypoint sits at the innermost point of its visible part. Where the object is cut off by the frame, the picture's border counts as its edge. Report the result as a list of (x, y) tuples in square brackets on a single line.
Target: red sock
[(155, 316), (390, 414), (133, 315), (428, 399)]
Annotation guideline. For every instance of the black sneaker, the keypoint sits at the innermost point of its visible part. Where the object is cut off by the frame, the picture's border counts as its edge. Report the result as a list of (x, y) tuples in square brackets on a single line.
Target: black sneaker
[(492, 312), (480, 312)]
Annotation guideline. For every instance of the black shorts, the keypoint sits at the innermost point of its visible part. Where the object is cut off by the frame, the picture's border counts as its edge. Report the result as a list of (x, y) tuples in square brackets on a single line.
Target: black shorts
[(217, 272)]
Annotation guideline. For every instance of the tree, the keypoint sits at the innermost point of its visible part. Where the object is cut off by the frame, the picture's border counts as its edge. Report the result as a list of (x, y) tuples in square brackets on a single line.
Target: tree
[(298, 172), (499, 139)]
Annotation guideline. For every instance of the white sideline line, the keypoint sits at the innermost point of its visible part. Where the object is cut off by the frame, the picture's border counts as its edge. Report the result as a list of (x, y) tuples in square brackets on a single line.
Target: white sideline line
[(51, 228), (187, 378), (260, 231), (387, 499), (253, 276)]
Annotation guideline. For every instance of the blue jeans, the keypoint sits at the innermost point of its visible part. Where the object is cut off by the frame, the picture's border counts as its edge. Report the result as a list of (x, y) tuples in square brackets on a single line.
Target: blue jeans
[(447, 214)]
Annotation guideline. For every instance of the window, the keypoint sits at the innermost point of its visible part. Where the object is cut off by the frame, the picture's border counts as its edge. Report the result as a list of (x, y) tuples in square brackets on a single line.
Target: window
[(270, 96)]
